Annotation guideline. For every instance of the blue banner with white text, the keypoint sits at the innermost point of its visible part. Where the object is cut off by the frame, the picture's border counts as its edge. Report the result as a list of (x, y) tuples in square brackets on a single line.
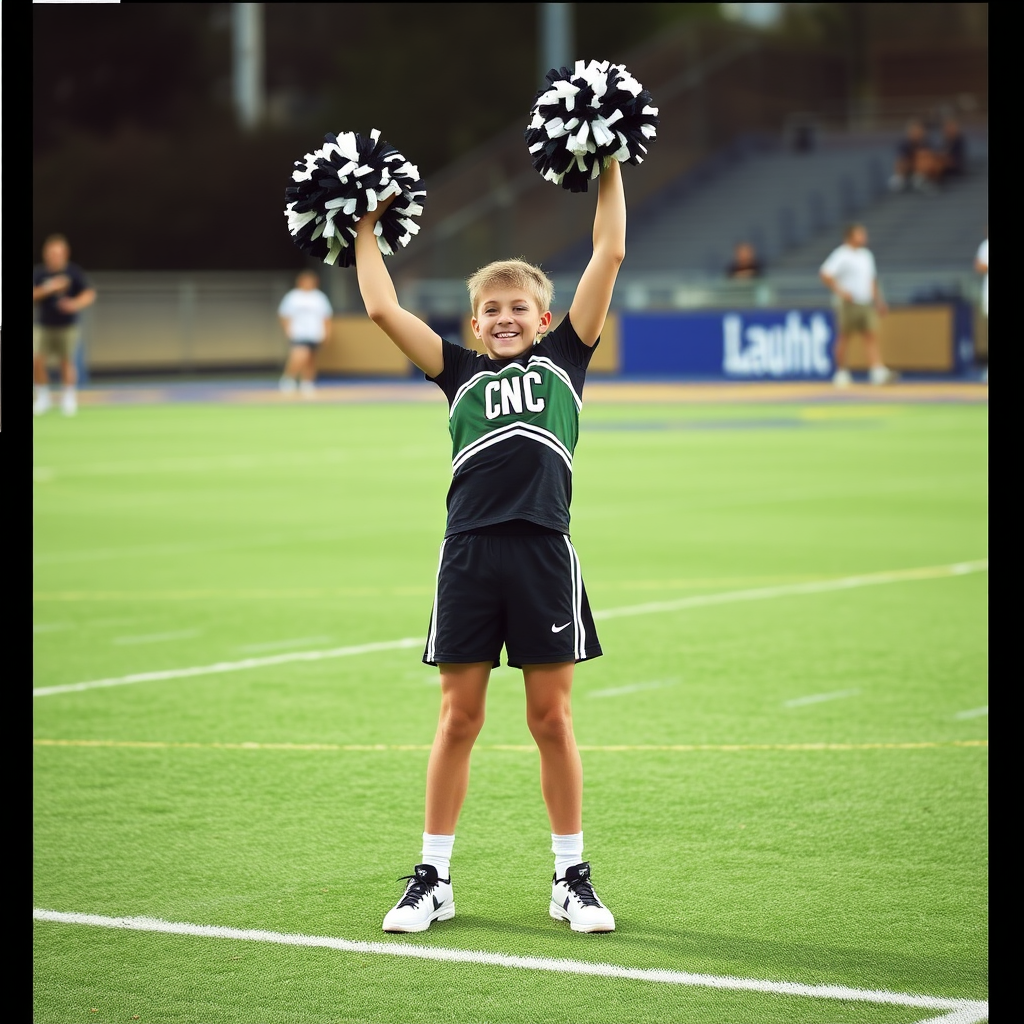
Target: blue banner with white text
[(755, 344)]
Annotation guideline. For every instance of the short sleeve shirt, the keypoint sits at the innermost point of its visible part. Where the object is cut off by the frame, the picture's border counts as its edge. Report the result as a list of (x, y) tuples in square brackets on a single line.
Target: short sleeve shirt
[(514, 424), (47, 311), (306, 309), (853, 269), (982, 257)]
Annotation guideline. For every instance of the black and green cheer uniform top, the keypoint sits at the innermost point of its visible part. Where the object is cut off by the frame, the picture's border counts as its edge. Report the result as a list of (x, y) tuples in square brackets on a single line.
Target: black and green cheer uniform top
[(514, 426)]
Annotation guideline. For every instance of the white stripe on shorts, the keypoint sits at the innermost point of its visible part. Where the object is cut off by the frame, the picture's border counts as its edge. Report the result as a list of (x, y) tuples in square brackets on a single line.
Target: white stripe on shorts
[(432, 635), (579, 630)]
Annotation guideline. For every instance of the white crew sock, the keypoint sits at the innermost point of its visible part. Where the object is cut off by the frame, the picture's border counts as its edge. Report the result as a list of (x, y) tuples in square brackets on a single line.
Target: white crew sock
[(437, 851), (568, 850), (43, 392)]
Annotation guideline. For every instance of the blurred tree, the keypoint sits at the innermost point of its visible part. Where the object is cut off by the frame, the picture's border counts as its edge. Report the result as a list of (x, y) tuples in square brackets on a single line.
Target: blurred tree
[(137, 154), (97, 68), (863, 31), (138, 159)]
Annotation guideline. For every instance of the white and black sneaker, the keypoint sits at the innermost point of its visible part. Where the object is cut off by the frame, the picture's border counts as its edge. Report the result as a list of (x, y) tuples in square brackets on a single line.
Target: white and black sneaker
[(573, 899), (427, 899)]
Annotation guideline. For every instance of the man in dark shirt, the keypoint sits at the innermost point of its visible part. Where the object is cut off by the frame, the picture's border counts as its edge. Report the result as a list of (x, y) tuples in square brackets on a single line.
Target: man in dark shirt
[(915, 160), (953, 153), (923, 166), (60, 291), (745, 263)]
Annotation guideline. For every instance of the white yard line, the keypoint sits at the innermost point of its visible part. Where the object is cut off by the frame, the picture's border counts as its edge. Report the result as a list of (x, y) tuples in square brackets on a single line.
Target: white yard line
[(619, 691), (651, 608), (792, 589), (229, 666), (972, 713), (965, 1011), (819, 698)]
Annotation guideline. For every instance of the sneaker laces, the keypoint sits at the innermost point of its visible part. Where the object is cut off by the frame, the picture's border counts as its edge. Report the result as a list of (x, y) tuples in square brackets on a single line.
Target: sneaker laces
[(415, 891), (583, 891)]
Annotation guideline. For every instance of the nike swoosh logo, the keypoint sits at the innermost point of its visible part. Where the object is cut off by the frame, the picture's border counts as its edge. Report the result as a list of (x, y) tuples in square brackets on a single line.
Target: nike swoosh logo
[(558, 629)]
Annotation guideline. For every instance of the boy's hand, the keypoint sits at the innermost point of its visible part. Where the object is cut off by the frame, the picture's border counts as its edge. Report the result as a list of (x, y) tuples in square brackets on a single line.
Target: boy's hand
[(370, 218)]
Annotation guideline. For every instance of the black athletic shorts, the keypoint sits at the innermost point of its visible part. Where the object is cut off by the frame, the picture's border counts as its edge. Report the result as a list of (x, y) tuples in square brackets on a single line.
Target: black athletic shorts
[(515, 585)]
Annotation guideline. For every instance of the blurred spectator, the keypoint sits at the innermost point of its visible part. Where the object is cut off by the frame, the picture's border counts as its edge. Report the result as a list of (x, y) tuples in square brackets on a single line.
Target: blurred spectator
[(917, 163), (60, 291), (850, 274), (922, 166), (981, 266), (952, 156), (306, 316), (745, 263)]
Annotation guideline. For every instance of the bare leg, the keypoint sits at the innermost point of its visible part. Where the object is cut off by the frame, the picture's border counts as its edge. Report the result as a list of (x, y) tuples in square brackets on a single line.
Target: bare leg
[(463, 696), (68, 373), (308, 369), (841, 351), (872, 349), (928, 165), (39, 368), (294, 364), (549, 716)]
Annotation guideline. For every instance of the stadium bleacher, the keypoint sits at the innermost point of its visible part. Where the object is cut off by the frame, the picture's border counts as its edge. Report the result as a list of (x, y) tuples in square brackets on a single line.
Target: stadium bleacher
[(791, 206)]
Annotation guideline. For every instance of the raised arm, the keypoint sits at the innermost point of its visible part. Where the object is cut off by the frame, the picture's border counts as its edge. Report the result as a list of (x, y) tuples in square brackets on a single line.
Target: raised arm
[(594, 294), (408, 332)]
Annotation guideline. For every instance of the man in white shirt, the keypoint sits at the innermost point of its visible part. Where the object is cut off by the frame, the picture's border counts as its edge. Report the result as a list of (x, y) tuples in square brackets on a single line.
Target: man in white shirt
[(306, 316), (850, 274), (981, 266)]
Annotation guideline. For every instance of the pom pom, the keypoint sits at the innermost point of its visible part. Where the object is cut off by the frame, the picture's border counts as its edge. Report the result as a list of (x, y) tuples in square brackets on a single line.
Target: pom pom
[(336, 185), (585, 118)]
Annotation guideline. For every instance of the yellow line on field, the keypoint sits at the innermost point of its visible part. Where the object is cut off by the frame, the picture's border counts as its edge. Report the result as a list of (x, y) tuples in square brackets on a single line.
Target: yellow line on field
[(513, 747)]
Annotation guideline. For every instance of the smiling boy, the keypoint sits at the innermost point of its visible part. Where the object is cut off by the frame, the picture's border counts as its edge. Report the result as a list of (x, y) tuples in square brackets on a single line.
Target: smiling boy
[(508, 574)]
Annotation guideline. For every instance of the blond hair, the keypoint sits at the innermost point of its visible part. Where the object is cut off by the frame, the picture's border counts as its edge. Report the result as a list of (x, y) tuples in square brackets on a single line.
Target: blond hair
[(512, 274)]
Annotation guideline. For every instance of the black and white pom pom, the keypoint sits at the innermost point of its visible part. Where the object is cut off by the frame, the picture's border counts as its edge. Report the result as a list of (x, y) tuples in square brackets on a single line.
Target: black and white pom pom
[(336, 185), (587, 117)]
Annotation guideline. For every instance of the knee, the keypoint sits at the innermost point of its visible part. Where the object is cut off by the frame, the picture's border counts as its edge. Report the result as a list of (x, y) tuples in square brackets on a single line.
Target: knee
[(552, 724), (460, 724)]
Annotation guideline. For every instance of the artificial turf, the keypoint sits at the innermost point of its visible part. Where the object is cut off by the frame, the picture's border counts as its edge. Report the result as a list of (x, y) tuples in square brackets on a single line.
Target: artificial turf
[(832, 830)]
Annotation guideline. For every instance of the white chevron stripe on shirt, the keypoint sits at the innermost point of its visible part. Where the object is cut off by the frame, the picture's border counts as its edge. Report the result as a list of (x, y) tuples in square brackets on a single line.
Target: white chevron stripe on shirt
[(505, 433)]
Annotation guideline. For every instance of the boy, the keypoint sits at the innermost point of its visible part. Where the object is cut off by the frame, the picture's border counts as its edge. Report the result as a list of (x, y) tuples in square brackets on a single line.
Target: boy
[(508, 574), (305, 314)]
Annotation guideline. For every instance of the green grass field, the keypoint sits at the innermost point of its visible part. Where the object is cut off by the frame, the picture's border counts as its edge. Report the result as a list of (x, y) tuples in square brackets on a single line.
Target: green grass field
[(785, 777)]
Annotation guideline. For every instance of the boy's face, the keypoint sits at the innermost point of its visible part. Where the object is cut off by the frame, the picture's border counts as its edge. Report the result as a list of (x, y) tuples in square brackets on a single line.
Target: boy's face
[(508, 321)]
